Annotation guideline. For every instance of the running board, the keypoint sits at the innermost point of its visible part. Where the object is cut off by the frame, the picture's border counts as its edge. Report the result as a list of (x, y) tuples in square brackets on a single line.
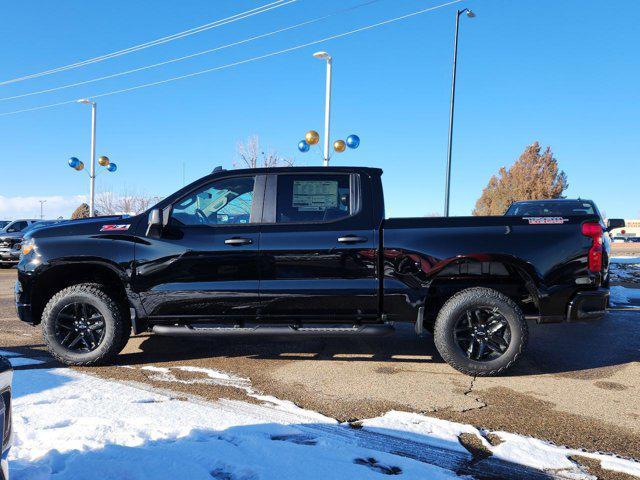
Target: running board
[(375, 330)]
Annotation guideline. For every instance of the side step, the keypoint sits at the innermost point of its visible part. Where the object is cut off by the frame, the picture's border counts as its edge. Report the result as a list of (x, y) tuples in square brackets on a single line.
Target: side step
[(372, 330)]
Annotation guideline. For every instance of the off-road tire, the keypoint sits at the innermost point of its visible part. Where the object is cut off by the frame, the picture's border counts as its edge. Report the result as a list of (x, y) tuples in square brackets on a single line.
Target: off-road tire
[(117, 327), (451, 312)]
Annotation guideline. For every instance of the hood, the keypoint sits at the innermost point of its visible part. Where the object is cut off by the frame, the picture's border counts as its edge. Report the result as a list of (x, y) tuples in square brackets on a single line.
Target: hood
[(87, 226)]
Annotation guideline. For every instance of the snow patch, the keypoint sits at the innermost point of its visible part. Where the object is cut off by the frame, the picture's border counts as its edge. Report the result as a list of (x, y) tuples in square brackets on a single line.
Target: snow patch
[(69, 425)]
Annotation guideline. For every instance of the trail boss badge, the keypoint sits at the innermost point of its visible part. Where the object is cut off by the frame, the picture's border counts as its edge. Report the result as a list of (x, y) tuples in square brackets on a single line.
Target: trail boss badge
[(545, 220)]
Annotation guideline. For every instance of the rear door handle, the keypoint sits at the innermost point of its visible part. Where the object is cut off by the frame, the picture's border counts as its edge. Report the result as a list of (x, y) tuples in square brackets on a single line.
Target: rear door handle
[(352, 239), (237, 241)]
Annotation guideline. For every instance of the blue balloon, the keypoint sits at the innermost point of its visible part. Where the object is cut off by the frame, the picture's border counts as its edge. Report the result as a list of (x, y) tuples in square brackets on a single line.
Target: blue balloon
[(353, 141), (74, 162), (112, 167), (303, 146)]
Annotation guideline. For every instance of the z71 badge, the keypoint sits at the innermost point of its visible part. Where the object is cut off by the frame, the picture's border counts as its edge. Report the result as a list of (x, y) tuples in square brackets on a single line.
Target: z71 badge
[(115, 228), (545, 220)]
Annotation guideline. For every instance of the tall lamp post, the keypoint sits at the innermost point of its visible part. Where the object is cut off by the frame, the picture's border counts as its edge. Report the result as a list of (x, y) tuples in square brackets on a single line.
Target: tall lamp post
[(327, 105), (42, 202), (92, 168), (470, 14)]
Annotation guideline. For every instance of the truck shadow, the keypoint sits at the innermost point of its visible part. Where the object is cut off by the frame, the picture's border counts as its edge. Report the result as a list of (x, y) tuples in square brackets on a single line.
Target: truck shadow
[(553, 348)]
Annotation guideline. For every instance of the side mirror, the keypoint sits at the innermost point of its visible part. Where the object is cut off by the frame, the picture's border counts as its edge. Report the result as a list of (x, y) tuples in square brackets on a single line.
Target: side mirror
[(615, 223), (154, 226)]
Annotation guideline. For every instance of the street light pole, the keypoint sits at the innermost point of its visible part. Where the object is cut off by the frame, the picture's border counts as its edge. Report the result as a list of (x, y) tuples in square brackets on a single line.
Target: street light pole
[(327, 105), (92, 169), (470, 14), (42, 202)]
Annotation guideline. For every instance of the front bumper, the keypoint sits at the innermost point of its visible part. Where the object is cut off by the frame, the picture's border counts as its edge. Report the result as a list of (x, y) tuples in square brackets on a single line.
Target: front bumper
[(8, 256), (22, 309), (588, 305)]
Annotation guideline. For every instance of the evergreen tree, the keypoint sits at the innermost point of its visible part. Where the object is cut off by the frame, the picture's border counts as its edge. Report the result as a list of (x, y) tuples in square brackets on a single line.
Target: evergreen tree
[(534, 176)]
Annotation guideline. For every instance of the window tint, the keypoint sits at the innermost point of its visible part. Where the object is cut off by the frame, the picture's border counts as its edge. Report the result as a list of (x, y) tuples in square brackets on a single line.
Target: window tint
[(223, 202), (542, 209), (312, 198)]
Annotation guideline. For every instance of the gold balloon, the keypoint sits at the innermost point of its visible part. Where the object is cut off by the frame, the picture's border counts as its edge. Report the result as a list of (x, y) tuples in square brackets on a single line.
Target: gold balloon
[(80, 166), (312, 137), (103, 161), (339, 146)]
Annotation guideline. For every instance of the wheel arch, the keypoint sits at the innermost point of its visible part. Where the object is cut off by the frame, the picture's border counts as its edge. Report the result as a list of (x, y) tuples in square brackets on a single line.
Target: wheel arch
[(57, 277), (509, 275)]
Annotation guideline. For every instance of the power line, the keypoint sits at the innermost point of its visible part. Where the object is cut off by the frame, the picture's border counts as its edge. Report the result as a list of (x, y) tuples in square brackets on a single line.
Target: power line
[(186, 57), (241, 62), (159, 41)]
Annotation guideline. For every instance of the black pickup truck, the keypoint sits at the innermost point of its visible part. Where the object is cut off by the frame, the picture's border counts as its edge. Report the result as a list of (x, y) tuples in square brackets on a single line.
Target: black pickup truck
[(305, 251)]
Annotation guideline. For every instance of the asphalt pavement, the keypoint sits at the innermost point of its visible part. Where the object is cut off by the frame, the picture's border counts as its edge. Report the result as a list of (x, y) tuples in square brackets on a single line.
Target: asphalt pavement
[(577, 385)]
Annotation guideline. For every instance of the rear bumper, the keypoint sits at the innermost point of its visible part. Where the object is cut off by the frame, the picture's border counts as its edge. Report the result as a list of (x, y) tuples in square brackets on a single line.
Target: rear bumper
[(588, 305)]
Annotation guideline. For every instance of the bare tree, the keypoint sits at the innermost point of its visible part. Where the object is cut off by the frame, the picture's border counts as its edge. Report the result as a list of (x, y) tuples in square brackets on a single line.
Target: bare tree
[(126, 202), (250, 155)]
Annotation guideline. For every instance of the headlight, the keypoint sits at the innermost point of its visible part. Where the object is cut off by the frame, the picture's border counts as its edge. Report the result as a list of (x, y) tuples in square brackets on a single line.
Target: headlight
[(28, 246)]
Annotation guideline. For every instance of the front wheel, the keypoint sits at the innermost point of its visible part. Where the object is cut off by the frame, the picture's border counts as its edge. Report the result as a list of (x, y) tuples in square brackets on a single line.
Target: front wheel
[(83, 325), (479, 331)]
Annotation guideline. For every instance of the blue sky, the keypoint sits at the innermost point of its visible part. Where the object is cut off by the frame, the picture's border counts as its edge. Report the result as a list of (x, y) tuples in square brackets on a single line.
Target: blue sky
[(560, 72)]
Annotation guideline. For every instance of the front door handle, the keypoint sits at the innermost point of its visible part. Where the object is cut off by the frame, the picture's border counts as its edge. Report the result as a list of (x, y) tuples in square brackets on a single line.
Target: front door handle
[(352, 239), (237, 241)]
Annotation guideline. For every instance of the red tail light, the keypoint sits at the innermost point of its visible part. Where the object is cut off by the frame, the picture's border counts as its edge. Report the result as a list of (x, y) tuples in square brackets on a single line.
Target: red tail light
[(594, 230)]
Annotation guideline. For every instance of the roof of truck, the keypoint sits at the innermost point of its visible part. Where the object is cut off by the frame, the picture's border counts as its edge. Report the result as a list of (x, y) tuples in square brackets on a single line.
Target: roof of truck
[(372, 170), (544, 200)]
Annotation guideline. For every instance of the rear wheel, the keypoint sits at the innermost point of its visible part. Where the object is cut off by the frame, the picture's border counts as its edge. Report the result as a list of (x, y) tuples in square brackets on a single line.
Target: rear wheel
[(83, 325), (480, 331)]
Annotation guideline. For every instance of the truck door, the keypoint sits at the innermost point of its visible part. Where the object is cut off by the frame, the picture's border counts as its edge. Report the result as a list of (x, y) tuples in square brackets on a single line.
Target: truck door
[(318, 249), (205, 265)]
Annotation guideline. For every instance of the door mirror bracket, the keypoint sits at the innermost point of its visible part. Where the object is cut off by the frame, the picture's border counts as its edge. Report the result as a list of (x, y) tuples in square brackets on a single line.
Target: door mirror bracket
[(155, 224)]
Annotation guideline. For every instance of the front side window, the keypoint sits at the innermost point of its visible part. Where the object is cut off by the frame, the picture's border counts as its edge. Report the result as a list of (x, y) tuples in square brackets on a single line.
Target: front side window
[(313, 198), (223, 202)]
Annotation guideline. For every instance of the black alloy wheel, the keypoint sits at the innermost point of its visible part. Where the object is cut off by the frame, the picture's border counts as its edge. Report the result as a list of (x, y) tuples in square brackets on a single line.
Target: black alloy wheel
[(79, 327), (482, 333)]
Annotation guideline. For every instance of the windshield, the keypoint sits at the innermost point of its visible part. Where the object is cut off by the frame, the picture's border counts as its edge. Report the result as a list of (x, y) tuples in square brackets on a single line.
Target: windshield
[(3, 223), (551, 208)]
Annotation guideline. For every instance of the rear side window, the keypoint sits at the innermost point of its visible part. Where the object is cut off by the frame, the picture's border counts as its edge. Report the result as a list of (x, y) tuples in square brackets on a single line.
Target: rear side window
[(313, 198)]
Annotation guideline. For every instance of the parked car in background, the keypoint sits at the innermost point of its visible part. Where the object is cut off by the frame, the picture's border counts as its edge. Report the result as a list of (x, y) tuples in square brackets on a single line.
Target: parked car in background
[(553, 207), (17, 246), (10, 236), (6, 374)]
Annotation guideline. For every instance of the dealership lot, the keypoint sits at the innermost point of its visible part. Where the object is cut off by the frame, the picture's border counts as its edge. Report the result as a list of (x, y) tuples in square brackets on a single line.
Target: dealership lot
[(576, 386)]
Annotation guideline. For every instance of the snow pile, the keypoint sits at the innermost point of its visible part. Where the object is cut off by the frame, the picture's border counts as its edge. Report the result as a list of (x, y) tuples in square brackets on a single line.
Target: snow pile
[(69, 425)]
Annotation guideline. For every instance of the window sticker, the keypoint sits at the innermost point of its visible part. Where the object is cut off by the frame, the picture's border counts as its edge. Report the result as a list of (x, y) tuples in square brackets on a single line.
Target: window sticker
[(314, 195)]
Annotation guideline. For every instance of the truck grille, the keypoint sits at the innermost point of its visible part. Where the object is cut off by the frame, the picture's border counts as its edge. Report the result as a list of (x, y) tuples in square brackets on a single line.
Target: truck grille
[(6, 397)]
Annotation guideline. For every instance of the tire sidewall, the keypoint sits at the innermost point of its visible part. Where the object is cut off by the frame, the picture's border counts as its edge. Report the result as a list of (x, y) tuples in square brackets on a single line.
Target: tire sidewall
[(449, 317), (111, 319)]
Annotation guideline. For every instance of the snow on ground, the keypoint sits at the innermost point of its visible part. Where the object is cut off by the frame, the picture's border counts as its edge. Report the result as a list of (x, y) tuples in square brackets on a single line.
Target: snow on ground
[(69, 425), (625, 270)]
